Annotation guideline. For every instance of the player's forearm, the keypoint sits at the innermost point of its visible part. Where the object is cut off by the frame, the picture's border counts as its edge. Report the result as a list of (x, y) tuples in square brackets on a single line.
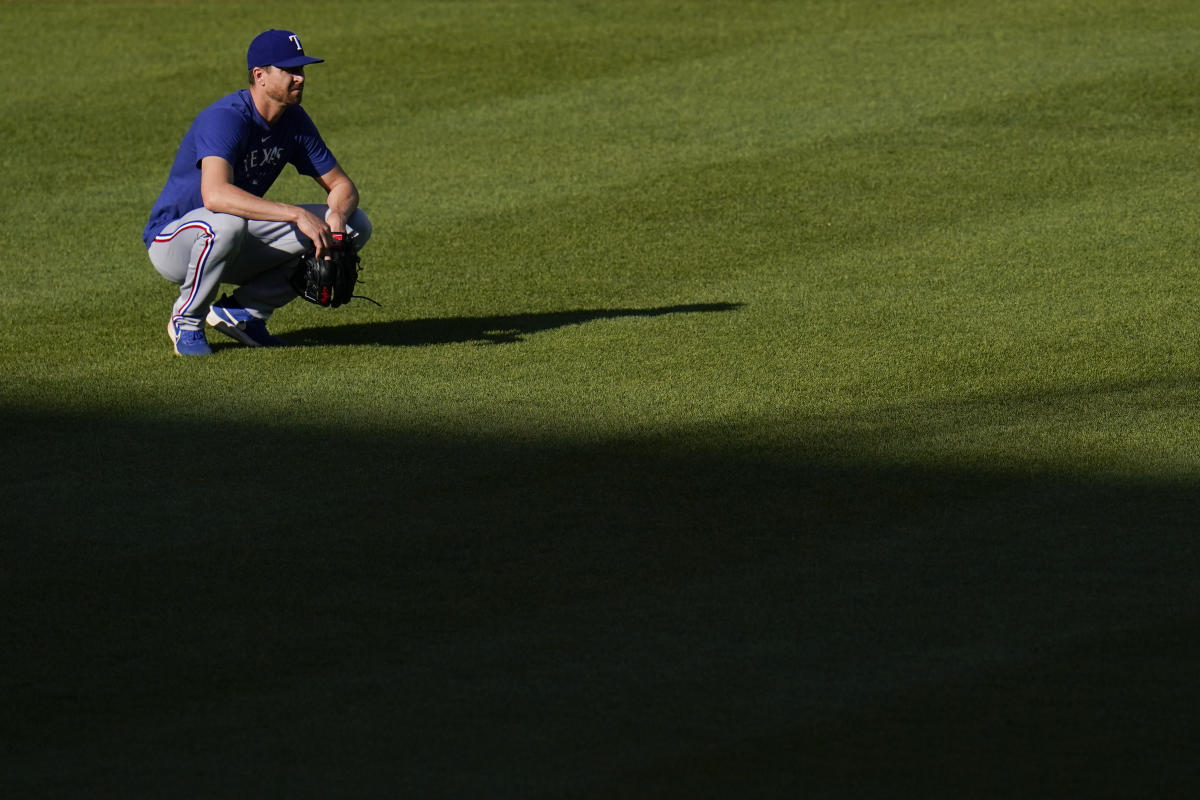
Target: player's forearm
[(229, 199), (342, 201)]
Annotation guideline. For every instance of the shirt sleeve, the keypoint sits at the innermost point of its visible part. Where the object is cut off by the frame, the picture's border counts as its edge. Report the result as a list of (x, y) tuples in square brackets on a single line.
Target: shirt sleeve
[(218, 132), (310, 156)]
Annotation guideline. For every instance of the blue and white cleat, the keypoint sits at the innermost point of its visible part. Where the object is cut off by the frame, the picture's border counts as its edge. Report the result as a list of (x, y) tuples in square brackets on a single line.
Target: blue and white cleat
[(188, 341), (237, 323)]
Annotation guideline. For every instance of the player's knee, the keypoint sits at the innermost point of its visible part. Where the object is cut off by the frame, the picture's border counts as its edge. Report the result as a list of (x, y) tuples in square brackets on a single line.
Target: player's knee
[(229, 228), (360, 225)]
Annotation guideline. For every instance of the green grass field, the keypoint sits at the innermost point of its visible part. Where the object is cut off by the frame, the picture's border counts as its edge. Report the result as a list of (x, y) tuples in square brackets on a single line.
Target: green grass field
[(767, 399)]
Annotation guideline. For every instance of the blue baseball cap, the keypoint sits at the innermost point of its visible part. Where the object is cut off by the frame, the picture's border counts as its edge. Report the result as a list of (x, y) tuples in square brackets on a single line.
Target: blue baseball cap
[(276, 48)]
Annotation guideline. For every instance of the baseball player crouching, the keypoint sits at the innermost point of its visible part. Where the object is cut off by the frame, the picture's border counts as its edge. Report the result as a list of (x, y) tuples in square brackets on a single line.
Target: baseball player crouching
[(211, 224)]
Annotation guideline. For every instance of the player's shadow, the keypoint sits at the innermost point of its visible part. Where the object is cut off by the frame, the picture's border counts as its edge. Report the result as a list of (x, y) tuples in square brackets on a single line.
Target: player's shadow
[(481, 330)]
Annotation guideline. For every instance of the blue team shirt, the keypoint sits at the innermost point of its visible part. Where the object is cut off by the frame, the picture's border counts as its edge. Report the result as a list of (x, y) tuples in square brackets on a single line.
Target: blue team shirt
[(233, 129)]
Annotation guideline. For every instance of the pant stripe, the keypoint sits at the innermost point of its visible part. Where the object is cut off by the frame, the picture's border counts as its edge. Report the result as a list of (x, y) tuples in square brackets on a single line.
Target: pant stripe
[(201, 262)]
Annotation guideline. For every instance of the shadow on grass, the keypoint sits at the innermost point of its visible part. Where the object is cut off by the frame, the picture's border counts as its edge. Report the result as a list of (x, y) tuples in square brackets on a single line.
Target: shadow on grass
[(422, 615), (505, 329)]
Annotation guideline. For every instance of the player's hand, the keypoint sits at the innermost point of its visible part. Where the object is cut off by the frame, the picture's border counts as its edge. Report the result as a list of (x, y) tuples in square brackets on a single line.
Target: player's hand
[(335, 221), (317, 230)]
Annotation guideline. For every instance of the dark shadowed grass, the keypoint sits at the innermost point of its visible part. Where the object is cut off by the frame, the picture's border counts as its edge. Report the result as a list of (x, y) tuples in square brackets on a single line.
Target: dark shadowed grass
[(488, 616)]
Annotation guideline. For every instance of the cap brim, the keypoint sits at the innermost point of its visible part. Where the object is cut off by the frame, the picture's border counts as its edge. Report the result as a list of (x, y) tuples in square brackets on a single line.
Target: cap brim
[(298, 61)]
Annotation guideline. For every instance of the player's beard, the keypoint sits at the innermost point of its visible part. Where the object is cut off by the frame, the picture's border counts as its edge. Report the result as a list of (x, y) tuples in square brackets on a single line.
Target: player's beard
[(286, 96)]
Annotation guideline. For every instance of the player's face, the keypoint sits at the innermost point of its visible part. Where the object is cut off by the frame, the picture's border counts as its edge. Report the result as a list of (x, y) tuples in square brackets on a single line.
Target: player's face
[(285, 84)]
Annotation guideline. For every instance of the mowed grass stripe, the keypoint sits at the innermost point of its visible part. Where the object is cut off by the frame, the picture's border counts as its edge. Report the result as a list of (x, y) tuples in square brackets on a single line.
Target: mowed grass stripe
[(756, 100)]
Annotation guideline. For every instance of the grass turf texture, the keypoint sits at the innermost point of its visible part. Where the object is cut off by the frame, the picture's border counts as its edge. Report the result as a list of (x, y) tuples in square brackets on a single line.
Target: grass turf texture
[(766, 397)]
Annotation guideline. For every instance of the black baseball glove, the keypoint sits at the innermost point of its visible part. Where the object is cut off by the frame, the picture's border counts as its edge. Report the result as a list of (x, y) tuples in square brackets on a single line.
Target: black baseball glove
[(328, 281)]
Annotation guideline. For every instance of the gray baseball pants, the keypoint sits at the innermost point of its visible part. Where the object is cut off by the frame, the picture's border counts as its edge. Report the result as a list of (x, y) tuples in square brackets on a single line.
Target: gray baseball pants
[(204, 249)]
